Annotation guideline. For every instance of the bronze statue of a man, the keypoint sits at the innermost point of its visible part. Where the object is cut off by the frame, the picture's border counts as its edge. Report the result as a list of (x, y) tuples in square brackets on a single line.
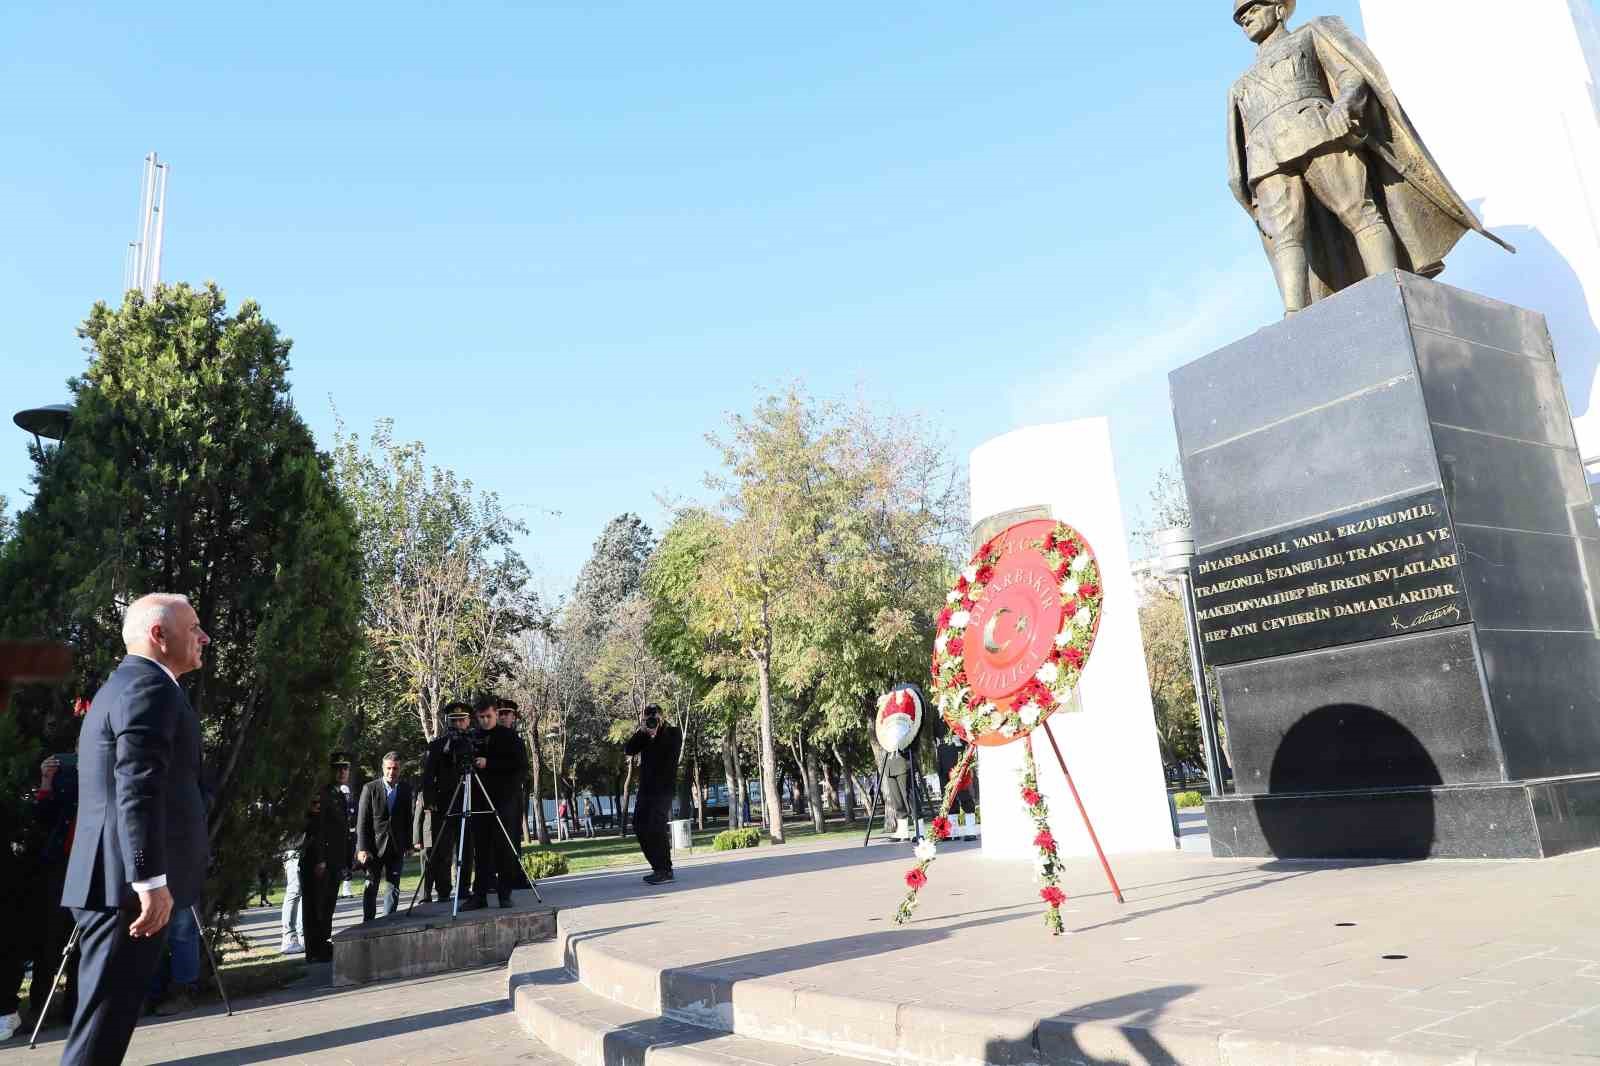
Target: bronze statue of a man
[(1323, 157)]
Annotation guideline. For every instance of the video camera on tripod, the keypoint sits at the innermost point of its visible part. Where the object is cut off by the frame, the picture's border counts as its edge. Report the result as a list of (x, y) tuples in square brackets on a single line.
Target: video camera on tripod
[(462, 746)]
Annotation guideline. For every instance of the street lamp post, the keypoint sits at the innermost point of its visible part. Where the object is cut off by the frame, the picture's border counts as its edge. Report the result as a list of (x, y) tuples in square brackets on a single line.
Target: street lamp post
[(49, 422), (1176, 548)]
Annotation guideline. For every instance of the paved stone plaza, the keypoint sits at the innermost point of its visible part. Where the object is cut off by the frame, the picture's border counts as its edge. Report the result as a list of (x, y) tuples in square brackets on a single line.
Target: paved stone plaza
[(1226, 962), (1210, 961)]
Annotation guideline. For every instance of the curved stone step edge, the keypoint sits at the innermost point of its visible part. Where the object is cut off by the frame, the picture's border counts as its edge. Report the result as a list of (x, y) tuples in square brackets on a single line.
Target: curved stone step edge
[(588, 1030), (916, 1034)]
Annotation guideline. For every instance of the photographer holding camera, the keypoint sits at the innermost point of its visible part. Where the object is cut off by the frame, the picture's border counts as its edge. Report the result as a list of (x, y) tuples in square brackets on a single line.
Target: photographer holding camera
[(658, 743), (442, 768), (501, 764)]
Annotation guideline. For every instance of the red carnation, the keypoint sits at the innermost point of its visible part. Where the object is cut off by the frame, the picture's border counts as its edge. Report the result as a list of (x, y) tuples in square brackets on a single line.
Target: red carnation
[(80, 707), (1089, 591), (1073, 657), (985, 572), (1050, 540), (1052, 895), (1030, 797), (944, 619), (1045, 842), (1055, 656), (960, 679), (1069, 608), (1063, 570), (941, 828), (915, 878), (962, 585), (966, 603), (954, 646)]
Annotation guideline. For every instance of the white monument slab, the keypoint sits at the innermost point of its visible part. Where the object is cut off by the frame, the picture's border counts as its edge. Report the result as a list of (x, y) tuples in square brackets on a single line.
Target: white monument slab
[(1505, 96), (1109, 739)]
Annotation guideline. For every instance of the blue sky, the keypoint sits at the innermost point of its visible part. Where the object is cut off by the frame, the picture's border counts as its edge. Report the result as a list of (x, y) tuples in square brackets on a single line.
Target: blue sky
[(559, 241)]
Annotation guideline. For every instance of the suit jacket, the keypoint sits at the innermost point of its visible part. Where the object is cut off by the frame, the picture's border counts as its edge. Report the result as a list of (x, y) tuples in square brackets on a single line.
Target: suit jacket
[(140, 811), (505, 767), (377, 831)]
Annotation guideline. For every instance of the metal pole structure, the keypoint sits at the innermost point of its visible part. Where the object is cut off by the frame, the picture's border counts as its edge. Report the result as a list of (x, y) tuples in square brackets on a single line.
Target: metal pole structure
[(158, 223)]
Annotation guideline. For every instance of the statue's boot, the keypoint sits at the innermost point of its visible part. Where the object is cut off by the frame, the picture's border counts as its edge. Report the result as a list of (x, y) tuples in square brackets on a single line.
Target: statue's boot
[(1376, 245), (1293, 272)]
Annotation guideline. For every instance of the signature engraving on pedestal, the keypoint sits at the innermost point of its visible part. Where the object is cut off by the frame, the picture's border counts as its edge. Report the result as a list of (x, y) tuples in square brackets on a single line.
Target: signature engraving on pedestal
[(1451, 611)]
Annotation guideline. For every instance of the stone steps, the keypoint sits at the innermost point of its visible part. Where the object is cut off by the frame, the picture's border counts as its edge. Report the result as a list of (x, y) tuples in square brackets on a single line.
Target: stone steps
[(587, 1029), (601, 1008)]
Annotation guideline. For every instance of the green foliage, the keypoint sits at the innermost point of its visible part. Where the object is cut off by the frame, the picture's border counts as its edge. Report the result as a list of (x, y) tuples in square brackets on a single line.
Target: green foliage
[(443, 587), (1166, 653), (541, 863), (734, 839), (1186, 800), (187, 470)]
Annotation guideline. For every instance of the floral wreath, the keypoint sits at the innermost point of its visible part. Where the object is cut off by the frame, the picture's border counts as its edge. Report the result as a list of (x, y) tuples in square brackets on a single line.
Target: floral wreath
[(977, 720)]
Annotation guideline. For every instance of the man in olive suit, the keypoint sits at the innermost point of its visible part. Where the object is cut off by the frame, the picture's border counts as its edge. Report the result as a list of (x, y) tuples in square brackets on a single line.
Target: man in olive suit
[(140, 848)]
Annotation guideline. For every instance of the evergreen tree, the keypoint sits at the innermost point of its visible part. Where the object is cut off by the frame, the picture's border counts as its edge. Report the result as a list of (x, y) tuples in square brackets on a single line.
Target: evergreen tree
[(186, 469)]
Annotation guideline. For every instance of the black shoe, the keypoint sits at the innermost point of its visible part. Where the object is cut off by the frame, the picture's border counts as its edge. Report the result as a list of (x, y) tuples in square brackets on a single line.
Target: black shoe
[(659, 879), (505, 900), (476, 903)]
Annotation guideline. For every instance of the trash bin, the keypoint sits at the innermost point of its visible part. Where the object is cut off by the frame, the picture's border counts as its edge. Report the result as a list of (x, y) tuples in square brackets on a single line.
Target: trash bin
[(681, 840)]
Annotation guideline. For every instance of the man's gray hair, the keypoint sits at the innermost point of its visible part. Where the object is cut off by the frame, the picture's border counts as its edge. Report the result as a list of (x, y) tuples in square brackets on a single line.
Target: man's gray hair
[(392, 756), (146, 611)]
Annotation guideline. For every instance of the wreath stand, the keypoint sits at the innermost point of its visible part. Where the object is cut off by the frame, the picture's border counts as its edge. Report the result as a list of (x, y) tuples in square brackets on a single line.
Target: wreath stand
[(915, 797)]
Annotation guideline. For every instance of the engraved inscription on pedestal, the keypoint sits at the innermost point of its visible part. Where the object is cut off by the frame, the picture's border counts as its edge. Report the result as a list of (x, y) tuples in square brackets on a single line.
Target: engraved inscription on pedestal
[(1380, 571)]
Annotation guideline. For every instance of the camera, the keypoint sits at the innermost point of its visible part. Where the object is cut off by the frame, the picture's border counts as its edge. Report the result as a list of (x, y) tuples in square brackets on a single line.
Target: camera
[(652, 719), (461, 746)]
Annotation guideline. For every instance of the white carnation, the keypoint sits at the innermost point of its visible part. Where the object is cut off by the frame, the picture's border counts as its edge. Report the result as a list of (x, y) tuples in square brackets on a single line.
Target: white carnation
[(1080, 563), (940, 642), (1030, 713), (1070, 586), (1081, 618), (1048, 673), (1063, 638), (987, 709), (1009, 729), (960, 619), (970, 573), (953, 597), (926, 850)]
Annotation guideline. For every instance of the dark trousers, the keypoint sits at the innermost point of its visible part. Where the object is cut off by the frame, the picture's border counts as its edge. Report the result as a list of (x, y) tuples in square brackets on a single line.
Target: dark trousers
[(37, 935), (650, 814), (495, 867), (114, 972), (443, 858), (318, 895), (388, 868)]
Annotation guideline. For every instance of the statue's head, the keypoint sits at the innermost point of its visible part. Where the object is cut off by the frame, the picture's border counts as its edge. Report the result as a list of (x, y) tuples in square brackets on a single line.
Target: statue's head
[(1260, 18)]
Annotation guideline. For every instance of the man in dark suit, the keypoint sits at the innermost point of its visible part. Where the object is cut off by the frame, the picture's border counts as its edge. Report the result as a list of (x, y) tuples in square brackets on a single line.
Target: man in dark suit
[(500, 766), (140, 847), (383, 836)]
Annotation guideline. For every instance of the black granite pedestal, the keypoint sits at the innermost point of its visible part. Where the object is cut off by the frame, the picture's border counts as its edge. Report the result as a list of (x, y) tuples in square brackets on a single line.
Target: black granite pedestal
[(1396, 577)]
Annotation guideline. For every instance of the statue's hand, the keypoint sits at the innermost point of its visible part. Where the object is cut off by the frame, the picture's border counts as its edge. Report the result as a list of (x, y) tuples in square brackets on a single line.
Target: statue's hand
[(1339, 121)]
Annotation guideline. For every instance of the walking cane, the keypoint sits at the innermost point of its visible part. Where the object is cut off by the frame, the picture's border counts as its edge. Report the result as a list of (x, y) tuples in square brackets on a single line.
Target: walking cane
[(44, 1012), (215, 972)]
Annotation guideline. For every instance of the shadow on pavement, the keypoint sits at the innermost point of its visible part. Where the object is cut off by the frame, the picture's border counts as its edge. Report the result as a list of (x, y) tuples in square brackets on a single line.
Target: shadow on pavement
[(1058, 1039)]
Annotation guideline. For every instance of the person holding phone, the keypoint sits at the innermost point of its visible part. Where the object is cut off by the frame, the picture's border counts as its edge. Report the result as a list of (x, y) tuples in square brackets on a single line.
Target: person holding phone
[(657, 743)]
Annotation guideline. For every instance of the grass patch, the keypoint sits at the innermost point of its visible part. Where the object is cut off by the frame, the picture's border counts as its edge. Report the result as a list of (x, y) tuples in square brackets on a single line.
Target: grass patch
[(1187, 800)]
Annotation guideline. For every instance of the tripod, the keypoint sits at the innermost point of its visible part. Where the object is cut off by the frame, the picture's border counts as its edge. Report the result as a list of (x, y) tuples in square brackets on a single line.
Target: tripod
[(72, 945), (466, 814), (913, 797)]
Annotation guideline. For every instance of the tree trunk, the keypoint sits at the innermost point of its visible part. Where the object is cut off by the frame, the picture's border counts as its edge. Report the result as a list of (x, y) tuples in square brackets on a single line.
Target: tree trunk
[(814, 790), (772, 807), (849, 789), (730, 769), (699, 798), (622, 811), (541, 828)]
